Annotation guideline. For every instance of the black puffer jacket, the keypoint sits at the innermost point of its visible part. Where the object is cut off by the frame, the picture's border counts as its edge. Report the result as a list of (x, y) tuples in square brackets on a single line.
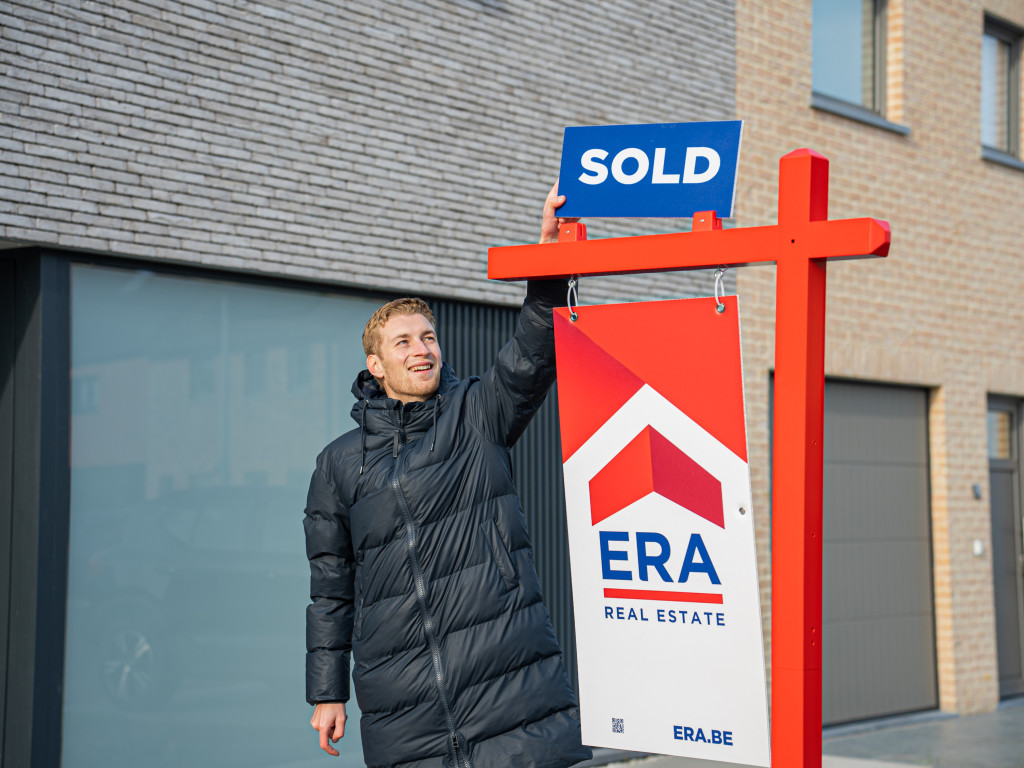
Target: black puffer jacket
[(422, 567)]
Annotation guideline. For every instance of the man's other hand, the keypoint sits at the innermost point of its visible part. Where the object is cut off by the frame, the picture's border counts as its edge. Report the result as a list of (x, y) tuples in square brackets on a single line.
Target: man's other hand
[(329, 719), (550, 222)]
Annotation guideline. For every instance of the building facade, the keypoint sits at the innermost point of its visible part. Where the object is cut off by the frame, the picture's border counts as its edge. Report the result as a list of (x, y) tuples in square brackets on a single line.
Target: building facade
[(200, 204), (917, 106)]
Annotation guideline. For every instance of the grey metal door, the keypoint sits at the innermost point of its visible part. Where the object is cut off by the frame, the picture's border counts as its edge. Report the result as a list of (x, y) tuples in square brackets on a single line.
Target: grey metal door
[(1007, 542), (878, 640)]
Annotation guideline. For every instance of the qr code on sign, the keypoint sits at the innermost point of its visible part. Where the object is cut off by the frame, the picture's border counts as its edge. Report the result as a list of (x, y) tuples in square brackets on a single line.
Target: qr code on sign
[(618, 726)]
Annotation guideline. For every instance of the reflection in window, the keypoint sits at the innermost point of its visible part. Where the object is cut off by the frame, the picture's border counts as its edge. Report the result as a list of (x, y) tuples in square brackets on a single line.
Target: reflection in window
[(255, 372), (1000, 434), (187, 576), (1000, 87), (848, 39), (83, 395), (202, 380), (300, 369)]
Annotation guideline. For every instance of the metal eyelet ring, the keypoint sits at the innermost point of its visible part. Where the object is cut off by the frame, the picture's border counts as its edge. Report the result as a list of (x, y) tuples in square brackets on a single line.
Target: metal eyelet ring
[(719, 306), (572, 297)]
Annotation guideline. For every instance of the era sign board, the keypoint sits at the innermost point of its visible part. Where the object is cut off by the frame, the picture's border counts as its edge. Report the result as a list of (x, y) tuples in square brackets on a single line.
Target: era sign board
[(662, 169), (661, 531)]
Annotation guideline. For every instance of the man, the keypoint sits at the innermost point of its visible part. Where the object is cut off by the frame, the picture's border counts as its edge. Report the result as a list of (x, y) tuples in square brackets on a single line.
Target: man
[(420, 559)]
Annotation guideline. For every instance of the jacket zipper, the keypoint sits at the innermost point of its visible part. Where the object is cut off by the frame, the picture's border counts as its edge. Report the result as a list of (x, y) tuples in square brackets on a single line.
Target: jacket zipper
[(397, 442), (428, 620), (460, 756)]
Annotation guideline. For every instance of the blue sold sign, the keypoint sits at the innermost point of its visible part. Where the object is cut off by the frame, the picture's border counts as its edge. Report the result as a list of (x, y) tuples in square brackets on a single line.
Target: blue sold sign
[(664, 169)]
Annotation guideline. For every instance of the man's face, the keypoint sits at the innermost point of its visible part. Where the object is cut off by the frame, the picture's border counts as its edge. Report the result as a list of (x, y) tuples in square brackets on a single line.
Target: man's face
[(409, 363)]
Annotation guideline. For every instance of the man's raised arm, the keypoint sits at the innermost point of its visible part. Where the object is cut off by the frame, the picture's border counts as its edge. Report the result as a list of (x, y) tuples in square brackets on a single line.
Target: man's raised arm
[(515, 387)]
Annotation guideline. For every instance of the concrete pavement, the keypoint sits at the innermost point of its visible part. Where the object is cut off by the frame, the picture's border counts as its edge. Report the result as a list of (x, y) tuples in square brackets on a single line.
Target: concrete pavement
[(990, 740)]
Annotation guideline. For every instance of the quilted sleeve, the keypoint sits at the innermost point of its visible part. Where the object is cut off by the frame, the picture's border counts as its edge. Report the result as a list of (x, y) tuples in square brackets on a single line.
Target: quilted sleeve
[(331, 589), (514, 388)]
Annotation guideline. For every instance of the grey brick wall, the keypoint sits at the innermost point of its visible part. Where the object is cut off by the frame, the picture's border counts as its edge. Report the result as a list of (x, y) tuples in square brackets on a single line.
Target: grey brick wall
[(377, 144)]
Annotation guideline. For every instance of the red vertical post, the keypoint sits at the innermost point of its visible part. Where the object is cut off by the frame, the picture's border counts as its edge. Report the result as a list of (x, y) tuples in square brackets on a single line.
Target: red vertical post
[(797, 478)]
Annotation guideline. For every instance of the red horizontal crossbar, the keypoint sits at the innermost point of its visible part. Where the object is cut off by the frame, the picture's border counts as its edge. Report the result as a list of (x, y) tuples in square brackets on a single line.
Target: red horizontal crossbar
[(843, 238)]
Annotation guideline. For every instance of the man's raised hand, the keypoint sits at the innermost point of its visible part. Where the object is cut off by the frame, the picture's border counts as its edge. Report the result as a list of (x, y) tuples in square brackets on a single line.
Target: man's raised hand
[(550, 221)]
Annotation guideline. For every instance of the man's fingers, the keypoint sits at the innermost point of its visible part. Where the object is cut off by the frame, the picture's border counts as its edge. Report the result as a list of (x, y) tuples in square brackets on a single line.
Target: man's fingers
[(551, 221), (325, 743), (553, 199), (339, 727)]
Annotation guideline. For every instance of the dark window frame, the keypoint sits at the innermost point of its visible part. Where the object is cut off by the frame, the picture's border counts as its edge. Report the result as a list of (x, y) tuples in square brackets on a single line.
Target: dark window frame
[(1013, 36), (39, 506), (879, 58)]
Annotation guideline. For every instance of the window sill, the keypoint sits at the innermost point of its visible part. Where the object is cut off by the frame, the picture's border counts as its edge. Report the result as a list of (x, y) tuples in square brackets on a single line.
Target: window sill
[(855, 112), (1002, 158)]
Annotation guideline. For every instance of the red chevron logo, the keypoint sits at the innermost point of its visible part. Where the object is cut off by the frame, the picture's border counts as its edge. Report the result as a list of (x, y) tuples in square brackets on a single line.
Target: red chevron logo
[(650, 463)]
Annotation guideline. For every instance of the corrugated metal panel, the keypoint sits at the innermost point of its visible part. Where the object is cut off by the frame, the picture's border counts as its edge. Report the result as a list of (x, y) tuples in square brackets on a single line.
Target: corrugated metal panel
[(878, 627), (471, 335)]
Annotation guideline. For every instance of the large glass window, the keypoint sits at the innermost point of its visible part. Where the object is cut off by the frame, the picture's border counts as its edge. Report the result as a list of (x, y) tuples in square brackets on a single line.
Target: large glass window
[(198, 409), (1000, 87), (848, 39)]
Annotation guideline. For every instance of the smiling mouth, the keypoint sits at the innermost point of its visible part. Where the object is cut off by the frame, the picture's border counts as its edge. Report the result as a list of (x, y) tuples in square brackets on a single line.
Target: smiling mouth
[(422, 368)]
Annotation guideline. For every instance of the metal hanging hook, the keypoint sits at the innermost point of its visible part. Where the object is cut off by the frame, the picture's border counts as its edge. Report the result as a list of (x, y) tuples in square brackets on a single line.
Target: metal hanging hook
[(719, 274), (572, 296)]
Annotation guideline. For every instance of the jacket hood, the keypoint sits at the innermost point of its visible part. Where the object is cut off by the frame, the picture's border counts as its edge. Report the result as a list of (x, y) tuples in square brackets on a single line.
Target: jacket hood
[(375, 412)]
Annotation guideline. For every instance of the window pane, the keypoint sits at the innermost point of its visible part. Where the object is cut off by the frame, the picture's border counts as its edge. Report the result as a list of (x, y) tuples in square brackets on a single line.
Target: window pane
[(843, 42), (995, 108), (1000, 435), (199, 408)]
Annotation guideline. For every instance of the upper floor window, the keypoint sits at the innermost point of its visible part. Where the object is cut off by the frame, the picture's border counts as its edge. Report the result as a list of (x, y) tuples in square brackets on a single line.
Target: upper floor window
[(1000, 87), (848, 39)]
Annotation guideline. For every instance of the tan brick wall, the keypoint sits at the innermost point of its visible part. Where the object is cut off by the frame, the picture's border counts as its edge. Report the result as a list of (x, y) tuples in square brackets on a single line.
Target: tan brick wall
[(943, 311)]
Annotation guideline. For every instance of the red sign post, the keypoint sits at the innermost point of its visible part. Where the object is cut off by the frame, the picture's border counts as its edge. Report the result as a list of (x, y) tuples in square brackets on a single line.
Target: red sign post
[(800, 245)]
